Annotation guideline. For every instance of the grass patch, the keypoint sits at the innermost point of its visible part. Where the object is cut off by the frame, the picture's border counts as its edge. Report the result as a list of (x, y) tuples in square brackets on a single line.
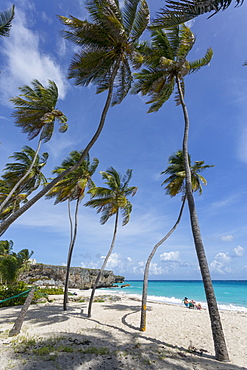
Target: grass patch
[(100, 300), (97, 351)]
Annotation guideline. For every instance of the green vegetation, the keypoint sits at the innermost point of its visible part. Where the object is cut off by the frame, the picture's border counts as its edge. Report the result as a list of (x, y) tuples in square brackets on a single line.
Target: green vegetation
[(96, 350), (20, 287), (12, 264)]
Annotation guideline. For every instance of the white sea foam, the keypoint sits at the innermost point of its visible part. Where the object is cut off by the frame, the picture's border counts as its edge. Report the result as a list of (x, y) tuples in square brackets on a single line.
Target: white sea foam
[(176, 301)]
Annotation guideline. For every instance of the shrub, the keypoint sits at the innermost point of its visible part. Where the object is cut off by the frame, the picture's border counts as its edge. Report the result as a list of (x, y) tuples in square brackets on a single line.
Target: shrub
[(13, 290)]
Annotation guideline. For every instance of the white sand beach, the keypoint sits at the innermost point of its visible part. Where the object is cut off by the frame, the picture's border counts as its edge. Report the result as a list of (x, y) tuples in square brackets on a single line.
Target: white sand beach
[(55, 339)]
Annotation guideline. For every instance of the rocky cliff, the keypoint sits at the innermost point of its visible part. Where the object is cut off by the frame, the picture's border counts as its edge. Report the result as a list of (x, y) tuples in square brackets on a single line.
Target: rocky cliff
[(80, 278)]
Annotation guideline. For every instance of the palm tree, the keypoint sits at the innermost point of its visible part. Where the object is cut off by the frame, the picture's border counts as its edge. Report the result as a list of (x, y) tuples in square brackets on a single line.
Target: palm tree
[(6, 18), (110, 201), (36, 114), (6, 246), (175, 184), (13, 172), (166, 68), (11, 263), (107, 49), (72, 187), (178, 12)]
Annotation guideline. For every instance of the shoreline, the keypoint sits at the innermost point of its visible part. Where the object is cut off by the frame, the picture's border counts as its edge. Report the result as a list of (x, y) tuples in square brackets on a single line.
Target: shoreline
[(111, 338), (174, 301)]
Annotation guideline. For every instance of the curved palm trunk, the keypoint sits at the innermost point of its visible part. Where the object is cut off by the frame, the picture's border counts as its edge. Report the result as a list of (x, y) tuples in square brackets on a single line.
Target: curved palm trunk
[(103, 266), (70, 252), (217, 330), (23, 177), (146, 271), (5, 224), (19, 321)]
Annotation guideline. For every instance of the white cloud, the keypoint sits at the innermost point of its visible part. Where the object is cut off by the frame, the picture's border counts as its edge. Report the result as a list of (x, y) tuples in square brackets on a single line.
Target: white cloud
[(155, 269), (223, 257), (239, 251), (227, 238), (217, 267), (170, 256), (24, 61), (220, 262)]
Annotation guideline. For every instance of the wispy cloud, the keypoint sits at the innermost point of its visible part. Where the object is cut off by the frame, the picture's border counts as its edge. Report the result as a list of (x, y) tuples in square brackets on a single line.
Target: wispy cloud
[(239, 251), (24, 61), (227, 238)]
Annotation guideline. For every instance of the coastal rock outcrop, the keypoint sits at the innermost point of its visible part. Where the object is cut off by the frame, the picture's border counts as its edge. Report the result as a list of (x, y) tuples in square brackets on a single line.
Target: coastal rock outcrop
[(80, 278)]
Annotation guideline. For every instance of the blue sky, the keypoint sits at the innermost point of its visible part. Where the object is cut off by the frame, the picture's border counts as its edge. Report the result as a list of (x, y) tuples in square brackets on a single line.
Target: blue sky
[(216, 98)]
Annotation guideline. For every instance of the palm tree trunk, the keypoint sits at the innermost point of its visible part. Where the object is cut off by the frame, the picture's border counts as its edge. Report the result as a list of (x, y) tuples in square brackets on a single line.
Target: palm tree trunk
[(146, 271), (216, 326), (70, 252), (23, 177), (103, 266), (5, 224), (19, 321)]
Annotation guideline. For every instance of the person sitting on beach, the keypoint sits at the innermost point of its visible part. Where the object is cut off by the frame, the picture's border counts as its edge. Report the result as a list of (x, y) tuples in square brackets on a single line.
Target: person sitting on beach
[(186, 302), (198, 306), (192, 304)]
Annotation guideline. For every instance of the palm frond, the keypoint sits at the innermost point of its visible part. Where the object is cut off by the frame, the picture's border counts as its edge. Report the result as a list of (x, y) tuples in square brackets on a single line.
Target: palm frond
[(135, 18), (197, 64), (35, 108), (178, 12), (175, 182), (6, 18), (123, 82), (91, 66)]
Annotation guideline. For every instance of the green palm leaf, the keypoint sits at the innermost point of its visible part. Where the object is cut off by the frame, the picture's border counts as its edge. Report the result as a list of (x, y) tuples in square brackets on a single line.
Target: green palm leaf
[(175, 182), (109, 200), (178, 12), (107, 43), (6, 18), (73, 185), (164, 63), (35, 110)]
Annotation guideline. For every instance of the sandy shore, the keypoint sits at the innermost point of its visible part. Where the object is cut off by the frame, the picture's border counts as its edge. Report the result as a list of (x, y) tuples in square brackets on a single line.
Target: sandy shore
[(53, 339)]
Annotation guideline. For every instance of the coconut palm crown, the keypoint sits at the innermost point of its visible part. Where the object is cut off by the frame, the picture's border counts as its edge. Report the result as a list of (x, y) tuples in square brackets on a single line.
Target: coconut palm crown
[(109, 200), (73, 185), (107, 44), (35, 110), (175, 183), (165, 61)]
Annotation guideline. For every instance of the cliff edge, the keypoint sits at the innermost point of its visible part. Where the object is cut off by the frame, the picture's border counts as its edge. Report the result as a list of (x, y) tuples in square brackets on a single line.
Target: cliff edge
[(80, 278)]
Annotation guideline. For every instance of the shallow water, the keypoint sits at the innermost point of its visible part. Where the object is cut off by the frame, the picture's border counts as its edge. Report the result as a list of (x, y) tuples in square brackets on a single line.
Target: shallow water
[(230, 294)]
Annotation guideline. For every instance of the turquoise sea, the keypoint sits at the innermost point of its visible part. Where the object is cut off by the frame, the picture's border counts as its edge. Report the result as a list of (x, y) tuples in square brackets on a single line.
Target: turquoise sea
[(230, 294)]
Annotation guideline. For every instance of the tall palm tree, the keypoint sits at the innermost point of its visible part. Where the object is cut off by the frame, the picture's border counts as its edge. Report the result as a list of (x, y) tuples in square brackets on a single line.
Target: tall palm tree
[(166, 68), (6, 18), (179, 11), (72, 187), (110, 201), (36, 113), (175, 184), (107, 49)]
